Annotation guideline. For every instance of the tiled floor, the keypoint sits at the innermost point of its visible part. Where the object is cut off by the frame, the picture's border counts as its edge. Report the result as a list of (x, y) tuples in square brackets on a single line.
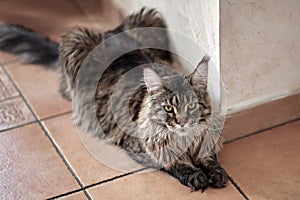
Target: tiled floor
[(41, 155)]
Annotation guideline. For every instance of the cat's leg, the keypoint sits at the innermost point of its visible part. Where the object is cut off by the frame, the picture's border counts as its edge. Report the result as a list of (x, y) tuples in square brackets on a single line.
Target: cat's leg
[(217, 176), (188, 175)]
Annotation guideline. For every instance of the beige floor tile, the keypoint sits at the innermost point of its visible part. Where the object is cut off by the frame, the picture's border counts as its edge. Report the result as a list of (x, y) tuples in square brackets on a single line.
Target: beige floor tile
[(7, 89), (266, 165), (159, 186), (14, 112), (75, 196), (40, 87), (49, 17), (87, 167), (30, 167)]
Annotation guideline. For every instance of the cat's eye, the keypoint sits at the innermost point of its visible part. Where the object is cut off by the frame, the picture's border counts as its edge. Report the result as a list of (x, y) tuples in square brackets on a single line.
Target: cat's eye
[(168, 108), (191, 106)]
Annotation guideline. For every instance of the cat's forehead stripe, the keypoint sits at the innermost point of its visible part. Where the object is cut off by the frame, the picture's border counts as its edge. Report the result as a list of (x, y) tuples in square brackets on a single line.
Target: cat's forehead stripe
[(185, 99), (175, 100), (190, 99)]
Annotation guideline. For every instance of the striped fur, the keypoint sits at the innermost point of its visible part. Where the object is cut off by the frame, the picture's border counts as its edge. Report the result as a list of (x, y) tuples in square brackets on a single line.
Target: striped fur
[(175, 138)]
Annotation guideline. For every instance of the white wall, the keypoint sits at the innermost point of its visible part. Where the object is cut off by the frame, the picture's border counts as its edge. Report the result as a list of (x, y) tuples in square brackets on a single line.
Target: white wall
[(260, 50)]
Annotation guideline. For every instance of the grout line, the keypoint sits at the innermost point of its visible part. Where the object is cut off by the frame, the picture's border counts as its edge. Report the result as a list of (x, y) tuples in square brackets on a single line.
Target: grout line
[(10, 61), (88, 196), (99, 183), (260, 131), (32, 122), (56, 115), (64, 159), (9, 98), (47, 133), (238, 188), (65, 194), (18, 126), (116, 177)]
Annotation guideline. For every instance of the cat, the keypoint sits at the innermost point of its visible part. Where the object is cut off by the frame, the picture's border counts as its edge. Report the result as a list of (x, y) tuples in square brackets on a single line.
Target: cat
[(172, 112)]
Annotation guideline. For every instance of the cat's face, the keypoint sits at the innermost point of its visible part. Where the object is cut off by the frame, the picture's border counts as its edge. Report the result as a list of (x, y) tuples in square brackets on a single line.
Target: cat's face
[(179, 103)]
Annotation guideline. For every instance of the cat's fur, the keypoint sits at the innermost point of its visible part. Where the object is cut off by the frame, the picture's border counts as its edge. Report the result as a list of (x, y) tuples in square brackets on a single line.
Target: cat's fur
[(168, 140)]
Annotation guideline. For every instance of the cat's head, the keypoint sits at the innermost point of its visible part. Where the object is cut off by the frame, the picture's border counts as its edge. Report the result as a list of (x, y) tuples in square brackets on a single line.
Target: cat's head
[(179, 103)]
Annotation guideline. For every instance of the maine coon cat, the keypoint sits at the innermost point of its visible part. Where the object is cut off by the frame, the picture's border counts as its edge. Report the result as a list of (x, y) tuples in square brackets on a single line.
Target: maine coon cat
[(172, 112)]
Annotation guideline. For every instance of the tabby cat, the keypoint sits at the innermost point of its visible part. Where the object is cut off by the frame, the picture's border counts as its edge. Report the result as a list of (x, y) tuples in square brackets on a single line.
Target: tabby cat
[(172, 112)]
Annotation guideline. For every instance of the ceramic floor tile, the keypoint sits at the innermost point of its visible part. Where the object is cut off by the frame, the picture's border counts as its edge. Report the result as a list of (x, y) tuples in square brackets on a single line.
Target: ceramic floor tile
[(159, 186), (30, 167), (86, 166), (7, 89), (75, 196), (40, 87), (14, 112), (51, 18), (266, 165)]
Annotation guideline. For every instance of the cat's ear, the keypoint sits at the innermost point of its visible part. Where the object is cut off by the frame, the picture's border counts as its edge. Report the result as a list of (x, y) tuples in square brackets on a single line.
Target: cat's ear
[(198, 77), (153, 81)]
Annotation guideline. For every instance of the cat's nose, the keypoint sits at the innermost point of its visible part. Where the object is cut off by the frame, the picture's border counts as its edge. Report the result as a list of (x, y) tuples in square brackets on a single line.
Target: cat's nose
[(181, 122)]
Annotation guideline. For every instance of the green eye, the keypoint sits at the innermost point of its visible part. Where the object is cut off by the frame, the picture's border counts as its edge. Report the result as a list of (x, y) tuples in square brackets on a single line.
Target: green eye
[(191, 106), (168, 108)]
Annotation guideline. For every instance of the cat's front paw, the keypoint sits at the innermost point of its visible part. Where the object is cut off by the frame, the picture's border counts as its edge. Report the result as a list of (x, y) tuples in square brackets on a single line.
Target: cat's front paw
[(197, 181), (218, 178)]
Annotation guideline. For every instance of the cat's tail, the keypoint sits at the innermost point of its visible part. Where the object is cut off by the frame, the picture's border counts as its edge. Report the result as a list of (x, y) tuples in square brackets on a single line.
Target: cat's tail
[(148, 18), (27, 45), (144, 18)]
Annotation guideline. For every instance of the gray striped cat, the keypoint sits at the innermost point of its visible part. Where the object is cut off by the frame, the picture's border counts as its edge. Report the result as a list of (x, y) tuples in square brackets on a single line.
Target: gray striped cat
[(171, 112)]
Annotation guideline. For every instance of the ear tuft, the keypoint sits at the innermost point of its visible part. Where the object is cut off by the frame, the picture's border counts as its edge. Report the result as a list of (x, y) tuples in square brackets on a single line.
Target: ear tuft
[(153, 81), (198, 77)]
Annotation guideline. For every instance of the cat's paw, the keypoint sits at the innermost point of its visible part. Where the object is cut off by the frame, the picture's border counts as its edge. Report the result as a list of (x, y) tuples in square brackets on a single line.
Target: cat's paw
[(197, 181), (217, 178)]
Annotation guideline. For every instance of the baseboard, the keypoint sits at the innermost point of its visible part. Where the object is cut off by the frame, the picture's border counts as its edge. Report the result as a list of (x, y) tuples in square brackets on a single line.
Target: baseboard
[(262, 117)]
